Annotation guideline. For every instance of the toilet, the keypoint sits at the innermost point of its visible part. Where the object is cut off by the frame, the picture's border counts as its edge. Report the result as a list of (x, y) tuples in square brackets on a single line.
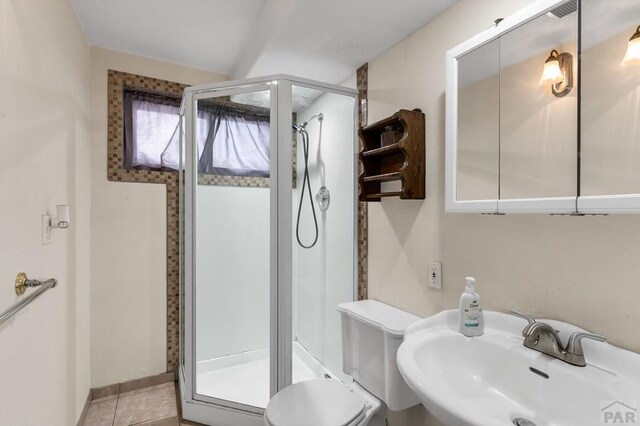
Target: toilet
[(371, 334)]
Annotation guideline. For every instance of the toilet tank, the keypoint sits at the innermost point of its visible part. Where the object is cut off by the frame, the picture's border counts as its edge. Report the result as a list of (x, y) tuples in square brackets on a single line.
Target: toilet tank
[(371, 334)]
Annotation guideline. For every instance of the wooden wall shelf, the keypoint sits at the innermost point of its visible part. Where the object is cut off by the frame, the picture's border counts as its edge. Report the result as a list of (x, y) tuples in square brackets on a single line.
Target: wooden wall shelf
[(401, 159)]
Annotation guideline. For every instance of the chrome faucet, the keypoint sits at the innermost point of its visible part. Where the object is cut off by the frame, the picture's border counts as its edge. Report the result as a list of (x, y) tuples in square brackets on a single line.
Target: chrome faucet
[(541, 337)]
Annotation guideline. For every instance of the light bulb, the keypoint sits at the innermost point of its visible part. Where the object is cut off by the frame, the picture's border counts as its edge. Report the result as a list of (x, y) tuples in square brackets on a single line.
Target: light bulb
[(551, 73), (632, 57)]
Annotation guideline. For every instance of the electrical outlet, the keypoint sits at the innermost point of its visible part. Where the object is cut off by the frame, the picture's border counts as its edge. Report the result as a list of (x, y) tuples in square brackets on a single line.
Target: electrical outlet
[(46, 229), (435, 275)]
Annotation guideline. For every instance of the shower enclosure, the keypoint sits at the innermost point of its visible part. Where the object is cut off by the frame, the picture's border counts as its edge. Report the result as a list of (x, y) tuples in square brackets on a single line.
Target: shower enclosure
[(267, 240)]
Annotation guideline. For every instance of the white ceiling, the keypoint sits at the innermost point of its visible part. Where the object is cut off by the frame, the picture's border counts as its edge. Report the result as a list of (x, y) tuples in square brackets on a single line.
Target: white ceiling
[(318, 39)]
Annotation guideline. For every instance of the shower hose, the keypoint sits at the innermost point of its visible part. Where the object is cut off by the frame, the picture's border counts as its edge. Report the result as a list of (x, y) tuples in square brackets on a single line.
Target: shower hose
[(306, 185)]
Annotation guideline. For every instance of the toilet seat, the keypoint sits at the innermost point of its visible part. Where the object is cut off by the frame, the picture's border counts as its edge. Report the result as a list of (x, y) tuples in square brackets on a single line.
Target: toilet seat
[(318, 402)]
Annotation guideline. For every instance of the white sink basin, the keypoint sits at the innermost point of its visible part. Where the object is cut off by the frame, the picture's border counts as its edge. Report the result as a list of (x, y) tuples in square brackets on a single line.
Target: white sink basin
[(488, 380)]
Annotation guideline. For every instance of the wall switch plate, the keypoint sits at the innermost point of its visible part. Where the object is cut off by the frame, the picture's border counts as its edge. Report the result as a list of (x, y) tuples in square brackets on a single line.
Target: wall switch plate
[(435, 275), (46, 230)]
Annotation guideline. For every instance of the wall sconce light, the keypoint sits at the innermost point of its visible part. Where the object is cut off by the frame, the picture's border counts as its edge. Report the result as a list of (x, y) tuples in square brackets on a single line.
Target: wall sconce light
[(558, 73), (632, 57)]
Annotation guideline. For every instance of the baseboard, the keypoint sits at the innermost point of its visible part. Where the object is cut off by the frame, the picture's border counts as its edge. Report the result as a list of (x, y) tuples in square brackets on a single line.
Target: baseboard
[(83, 415), (132, 385)]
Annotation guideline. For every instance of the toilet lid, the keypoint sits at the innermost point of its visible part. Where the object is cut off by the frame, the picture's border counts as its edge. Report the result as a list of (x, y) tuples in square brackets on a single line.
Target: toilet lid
[(319, 402)]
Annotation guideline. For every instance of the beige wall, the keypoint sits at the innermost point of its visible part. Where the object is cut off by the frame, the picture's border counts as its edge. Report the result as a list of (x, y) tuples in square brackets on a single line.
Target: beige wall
[(45, 160), (128, 320), (583, 270)]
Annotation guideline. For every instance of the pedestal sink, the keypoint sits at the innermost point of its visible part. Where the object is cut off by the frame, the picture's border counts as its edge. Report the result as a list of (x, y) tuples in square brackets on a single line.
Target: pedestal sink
[(494, 380)]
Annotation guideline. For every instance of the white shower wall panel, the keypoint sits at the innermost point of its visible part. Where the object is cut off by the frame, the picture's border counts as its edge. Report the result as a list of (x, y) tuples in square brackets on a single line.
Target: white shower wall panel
[(232, 268), (324, 274)]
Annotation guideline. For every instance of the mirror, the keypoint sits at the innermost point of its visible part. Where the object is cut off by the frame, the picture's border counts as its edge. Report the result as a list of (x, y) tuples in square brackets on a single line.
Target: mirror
[(478, 123), (610, 105), (538, 124), (565, 135)]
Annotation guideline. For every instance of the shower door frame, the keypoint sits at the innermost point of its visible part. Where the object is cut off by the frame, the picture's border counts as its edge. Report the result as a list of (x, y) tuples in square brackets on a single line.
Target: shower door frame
[(204, 408)]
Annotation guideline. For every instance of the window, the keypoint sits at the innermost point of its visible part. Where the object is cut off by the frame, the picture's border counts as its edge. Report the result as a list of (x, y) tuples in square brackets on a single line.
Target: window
[(150, 122), (232, 140)]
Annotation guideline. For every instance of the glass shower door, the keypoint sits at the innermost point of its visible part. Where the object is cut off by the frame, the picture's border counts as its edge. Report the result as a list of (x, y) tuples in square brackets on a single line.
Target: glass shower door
[(259, 310), (231, 247)]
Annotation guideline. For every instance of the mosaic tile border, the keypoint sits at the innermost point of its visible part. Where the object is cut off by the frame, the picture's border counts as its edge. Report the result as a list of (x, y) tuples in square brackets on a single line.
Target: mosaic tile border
[(117, 81), (116, 84), (219, 180), (362, 81)]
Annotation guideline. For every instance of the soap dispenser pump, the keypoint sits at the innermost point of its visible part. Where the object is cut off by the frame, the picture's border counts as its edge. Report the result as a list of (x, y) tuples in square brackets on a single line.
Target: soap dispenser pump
[(471, 319)]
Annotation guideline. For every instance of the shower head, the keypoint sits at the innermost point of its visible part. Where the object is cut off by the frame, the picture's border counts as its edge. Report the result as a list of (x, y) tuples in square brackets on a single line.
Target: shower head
[(301, 127), (319, 116)]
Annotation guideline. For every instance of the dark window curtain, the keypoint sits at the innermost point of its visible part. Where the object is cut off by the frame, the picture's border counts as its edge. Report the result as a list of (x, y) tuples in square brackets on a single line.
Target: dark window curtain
[(234, 144), (150, 122), (233, 139)]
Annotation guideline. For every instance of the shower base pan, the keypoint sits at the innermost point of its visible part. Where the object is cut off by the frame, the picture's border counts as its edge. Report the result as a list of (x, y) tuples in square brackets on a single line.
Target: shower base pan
[(244, 377)]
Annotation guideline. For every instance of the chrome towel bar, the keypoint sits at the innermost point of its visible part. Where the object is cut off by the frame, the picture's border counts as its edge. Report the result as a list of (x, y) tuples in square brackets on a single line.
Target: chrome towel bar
[(22, 282)]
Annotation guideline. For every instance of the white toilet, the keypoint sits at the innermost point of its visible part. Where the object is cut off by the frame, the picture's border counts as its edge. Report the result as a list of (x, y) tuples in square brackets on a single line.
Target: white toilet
[(371, 335)]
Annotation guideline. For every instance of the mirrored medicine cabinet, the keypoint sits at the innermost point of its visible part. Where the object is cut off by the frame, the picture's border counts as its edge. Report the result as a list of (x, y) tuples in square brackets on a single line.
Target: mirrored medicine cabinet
[(543, 112)]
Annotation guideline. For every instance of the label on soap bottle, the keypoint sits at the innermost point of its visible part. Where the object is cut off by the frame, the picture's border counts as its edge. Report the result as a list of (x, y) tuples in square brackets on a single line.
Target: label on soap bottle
[(472, 315)]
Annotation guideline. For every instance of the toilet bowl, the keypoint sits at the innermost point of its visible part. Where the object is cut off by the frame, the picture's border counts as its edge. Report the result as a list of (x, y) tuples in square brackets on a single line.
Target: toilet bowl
[(371, 334), (322, 402)]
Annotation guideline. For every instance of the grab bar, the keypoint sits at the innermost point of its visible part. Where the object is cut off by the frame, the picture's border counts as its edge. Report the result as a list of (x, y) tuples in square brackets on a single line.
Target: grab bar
[(22, 282)]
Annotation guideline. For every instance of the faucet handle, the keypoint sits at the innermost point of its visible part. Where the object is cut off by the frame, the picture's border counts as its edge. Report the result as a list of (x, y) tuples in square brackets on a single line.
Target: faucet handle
[(530, 320), (574, 345), (523, 316), (574, 354)]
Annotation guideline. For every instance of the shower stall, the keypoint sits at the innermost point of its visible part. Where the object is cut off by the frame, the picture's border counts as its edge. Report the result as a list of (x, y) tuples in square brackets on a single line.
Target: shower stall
[(268, 237)]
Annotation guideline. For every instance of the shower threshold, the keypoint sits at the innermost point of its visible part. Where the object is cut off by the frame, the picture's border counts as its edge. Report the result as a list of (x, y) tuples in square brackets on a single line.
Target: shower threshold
[(244, 377)]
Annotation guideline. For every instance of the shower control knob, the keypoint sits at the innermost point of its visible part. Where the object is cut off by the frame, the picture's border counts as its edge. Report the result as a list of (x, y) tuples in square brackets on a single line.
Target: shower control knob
[(323, 198)]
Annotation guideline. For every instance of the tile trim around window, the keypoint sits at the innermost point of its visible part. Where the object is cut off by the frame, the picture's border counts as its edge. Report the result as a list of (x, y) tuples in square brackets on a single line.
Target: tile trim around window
[(117, 81), (362, 83)]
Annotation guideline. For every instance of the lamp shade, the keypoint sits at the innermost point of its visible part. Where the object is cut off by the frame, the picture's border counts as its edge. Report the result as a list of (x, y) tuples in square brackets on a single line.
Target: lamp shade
[(551, 73), (632, 57)]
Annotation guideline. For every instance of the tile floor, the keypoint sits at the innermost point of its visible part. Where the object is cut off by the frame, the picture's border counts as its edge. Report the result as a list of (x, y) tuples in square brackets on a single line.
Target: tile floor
[(152, 406)]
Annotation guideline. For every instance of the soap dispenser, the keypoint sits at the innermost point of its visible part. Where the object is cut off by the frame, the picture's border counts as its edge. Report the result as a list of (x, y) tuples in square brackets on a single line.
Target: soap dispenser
[(471, 320)]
